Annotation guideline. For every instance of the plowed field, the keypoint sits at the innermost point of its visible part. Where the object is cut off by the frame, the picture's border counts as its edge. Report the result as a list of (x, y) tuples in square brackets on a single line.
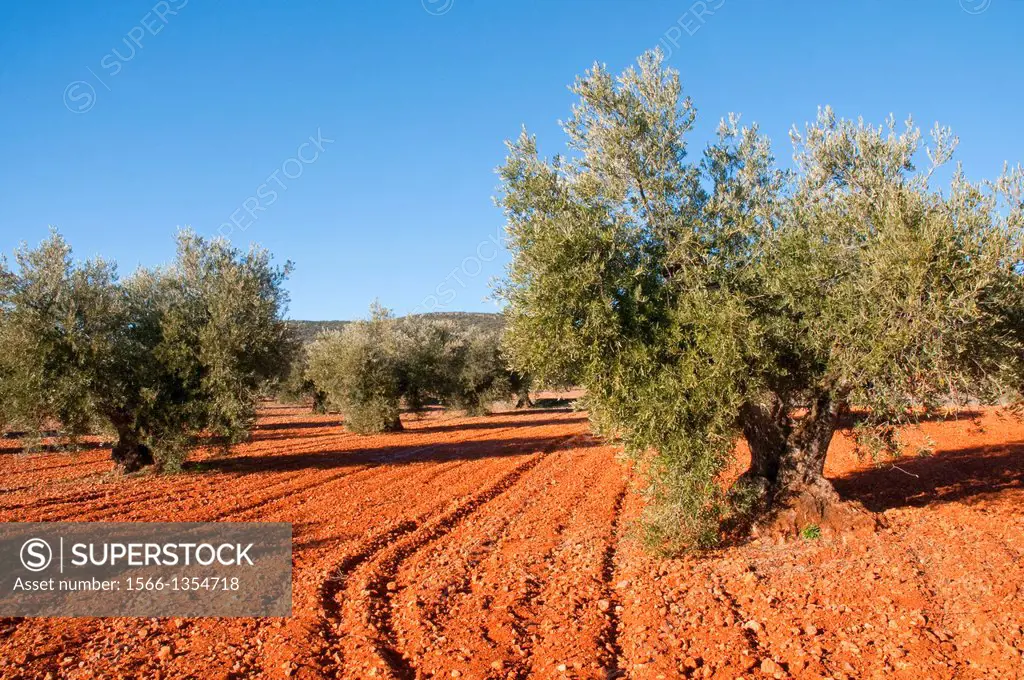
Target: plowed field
[(504, 547)]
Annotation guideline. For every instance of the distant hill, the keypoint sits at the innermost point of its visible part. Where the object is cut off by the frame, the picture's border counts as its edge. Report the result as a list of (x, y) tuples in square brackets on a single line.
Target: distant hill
[(308, 330)]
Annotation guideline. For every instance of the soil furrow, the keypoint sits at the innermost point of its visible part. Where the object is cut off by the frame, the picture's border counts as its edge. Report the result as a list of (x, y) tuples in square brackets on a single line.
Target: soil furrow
[(202, 486), (613, 662), (376, 585), (431, 470), (372, 611), (470, 557)]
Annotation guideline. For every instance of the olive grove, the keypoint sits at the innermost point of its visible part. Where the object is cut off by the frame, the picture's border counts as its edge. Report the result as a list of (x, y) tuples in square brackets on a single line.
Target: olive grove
[(373, 368)]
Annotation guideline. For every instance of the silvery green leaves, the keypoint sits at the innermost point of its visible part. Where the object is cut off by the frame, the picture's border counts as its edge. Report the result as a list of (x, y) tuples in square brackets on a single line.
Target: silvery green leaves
[(684, 294), (372, 368), (153, 359)]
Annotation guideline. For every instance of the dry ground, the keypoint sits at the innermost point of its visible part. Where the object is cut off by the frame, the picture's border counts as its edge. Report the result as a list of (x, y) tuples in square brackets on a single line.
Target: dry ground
[(502, 547)]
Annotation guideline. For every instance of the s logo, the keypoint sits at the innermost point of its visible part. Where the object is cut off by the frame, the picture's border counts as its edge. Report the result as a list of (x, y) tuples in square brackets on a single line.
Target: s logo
[(36, 554)]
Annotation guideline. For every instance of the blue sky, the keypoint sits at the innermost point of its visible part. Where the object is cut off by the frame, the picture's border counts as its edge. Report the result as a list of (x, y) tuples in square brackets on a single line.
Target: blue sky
[(125, 120)]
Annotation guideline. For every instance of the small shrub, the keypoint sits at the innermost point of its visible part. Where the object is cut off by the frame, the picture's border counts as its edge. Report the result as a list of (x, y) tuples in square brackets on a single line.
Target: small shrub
[(811, 532)]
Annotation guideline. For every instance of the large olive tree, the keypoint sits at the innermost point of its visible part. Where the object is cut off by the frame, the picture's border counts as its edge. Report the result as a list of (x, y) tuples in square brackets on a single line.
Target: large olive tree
[(698, 301), (157, 358)]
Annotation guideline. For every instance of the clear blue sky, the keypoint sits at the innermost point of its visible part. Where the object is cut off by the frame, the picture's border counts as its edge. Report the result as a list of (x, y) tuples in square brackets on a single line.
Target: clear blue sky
[(118, 144)]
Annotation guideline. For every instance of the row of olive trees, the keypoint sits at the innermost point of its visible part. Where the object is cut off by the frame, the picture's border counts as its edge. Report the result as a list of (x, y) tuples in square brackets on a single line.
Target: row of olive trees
[(154, 359), (699, 301), (373, 368)]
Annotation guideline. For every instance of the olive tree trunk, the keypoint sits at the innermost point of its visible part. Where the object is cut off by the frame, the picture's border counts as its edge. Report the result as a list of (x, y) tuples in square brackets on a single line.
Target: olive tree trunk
[(523, 401), (787, 466), (395, 425), (790, 458), (319, 402), (129, 453)]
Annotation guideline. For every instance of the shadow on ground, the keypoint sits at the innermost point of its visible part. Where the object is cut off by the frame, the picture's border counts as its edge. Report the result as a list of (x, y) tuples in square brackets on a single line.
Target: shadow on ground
[(392, 455), (496, 422), (943, 477)]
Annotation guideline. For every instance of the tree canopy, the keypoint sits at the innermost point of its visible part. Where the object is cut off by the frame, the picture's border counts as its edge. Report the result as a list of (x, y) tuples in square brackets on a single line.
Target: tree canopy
[(157, 358), (362, 372), (369, 369), (699, 300)]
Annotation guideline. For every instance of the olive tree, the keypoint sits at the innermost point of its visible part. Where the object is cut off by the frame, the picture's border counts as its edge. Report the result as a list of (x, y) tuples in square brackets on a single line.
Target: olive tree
[(157, 358), (362, 372), (59, 325), (431, 353), (702, 300), (480, 374), (296, 387), (372, 368)]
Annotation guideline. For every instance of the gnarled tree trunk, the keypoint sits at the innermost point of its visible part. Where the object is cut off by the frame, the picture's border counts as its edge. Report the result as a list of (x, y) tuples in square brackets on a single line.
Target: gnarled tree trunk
[(787, 466), (129, 453), (523, 401)]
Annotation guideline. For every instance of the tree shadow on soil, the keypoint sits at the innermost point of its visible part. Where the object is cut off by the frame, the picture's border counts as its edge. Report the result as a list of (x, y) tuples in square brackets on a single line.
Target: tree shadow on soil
[(496, 422), (299, 425), (16, 446), (258, 436), (393, 455), (943, 477)]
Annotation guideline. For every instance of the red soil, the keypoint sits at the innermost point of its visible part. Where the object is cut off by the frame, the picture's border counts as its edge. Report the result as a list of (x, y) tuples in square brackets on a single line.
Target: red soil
[(503, 547)]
